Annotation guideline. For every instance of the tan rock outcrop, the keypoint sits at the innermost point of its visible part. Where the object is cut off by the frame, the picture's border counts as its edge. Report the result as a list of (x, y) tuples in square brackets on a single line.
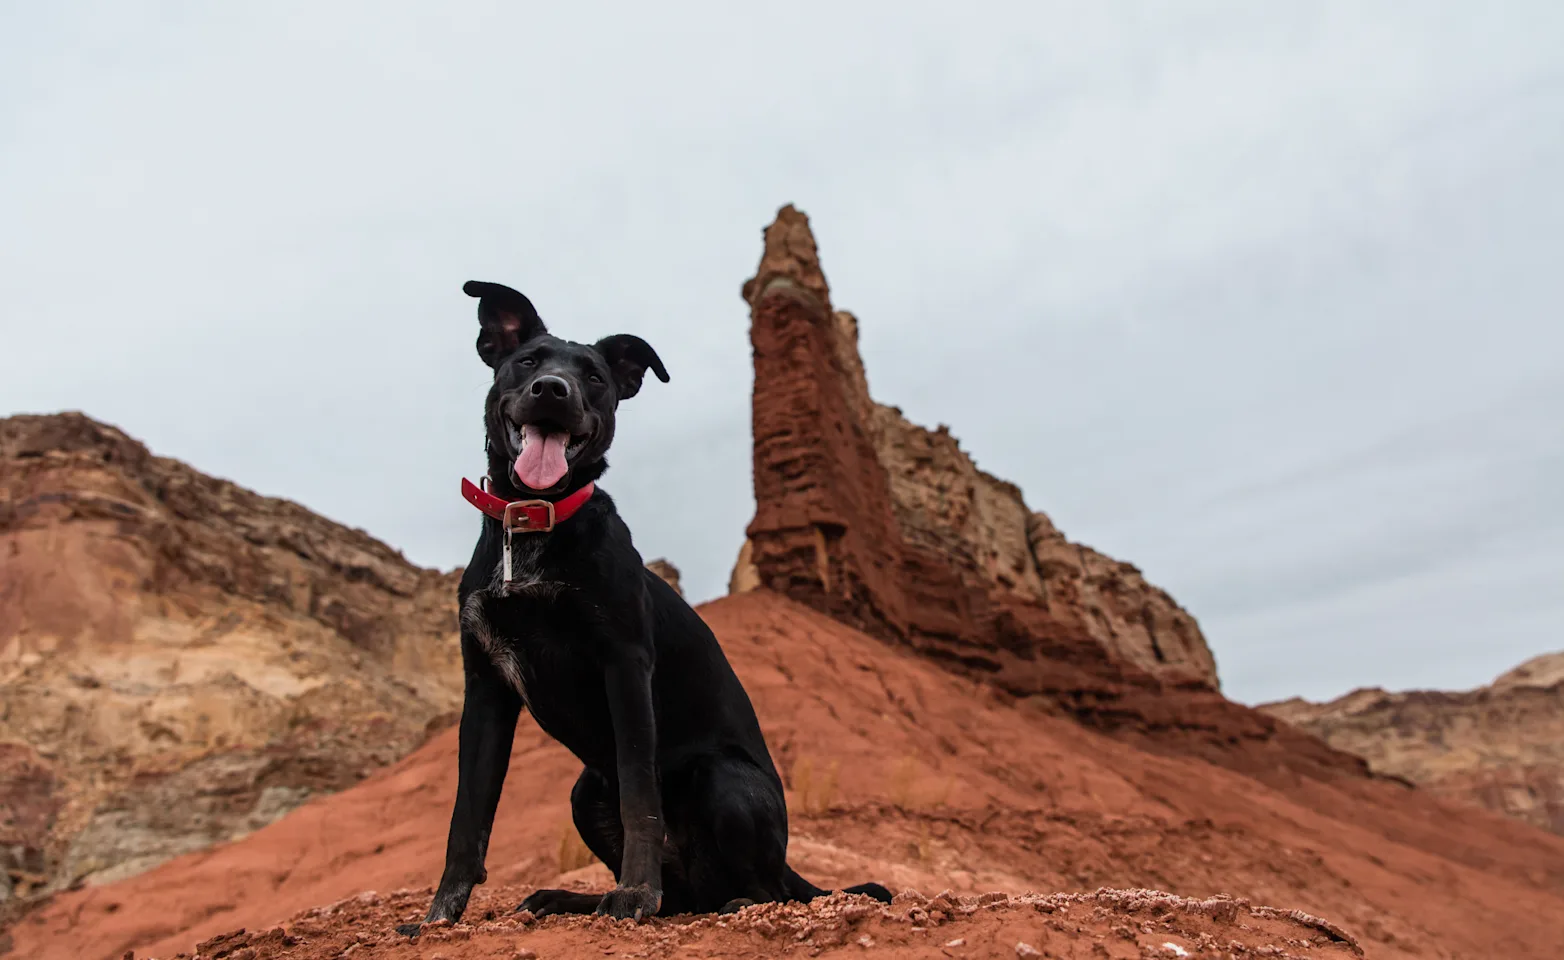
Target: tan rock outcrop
[(668, 572), (1499, 746), (1135, 619), (183, 661), (745, 576)]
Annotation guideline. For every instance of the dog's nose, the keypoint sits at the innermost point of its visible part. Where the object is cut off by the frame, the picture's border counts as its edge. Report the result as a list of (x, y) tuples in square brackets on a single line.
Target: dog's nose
[(551, 386)]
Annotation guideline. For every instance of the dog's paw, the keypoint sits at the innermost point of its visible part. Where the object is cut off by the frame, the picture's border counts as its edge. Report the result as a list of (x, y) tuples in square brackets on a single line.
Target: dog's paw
[(630, 903), (409, 929), (875, 890), (546, 903), (736, 904)]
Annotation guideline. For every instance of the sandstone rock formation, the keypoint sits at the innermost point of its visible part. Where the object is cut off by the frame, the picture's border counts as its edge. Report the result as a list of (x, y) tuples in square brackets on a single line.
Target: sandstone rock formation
[(183, 661), (892, 529), (841, 478), (1500, 746)]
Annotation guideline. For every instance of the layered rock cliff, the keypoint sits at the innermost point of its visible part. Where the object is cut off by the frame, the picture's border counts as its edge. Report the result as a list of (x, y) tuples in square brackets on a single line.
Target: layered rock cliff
[(183, 661), (892, 528), (839, 477), (893, 480), (1500, 746), (944, 504)]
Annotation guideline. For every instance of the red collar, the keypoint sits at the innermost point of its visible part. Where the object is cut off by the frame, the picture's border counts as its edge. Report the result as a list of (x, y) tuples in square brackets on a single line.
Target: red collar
[(526, 516)]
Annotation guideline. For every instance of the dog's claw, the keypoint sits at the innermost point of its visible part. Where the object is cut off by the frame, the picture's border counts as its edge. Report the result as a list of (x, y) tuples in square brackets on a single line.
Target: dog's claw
[(630, 903), (409, 929)]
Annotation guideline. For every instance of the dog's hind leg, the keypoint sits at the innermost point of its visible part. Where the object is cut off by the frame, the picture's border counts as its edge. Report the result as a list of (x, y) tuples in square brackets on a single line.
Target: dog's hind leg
[(799, 889), (731, 834), (594, 807)]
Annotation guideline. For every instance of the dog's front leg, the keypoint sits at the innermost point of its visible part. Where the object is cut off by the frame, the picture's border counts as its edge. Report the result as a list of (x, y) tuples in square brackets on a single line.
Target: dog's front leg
[(629, 686), (490, 709)]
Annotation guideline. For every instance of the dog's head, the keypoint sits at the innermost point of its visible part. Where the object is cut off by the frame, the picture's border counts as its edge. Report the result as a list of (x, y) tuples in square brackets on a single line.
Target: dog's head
[(550, 413)]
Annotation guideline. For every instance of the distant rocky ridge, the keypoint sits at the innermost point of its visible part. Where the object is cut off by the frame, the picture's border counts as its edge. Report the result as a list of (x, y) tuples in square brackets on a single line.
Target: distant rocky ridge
[(183, 661), (893, 529), (1500, 746)]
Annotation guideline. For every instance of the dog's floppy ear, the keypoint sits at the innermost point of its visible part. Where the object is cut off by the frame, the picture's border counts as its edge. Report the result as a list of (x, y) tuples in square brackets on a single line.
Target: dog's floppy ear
[(507, 319), (628, 357)]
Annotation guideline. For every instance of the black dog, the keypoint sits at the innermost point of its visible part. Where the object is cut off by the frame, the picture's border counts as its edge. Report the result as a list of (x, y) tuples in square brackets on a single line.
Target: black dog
[(679, 796)]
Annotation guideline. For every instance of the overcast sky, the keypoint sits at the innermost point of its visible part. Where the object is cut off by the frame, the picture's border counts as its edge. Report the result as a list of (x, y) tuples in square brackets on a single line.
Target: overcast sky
[(1265, 298)]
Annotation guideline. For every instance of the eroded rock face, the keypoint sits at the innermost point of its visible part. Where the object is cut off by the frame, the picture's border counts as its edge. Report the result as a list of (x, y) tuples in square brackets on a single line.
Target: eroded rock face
[(822, 520), (891, 528), (183, 661), (830, 463), (1136, 620), (1500, 746)]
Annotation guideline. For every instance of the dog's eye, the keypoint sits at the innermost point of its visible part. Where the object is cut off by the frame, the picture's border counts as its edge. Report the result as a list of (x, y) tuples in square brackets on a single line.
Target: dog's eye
[(528, 362), (594, 378)]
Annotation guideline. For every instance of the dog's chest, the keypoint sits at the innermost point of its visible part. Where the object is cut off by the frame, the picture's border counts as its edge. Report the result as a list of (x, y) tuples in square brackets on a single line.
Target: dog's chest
[(532, 630), (522, 573)]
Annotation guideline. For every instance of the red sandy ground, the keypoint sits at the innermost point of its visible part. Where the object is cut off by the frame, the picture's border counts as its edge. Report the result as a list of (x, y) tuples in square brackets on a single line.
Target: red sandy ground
[(898, 772), (1111, 923)]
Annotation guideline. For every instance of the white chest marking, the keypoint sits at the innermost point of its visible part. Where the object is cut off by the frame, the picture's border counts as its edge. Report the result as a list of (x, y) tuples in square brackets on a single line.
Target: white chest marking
[(526, 579)]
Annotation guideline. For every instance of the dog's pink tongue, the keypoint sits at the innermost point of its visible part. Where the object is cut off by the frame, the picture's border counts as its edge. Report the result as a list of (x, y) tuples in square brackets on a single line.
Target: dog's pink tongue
[(542, 460)]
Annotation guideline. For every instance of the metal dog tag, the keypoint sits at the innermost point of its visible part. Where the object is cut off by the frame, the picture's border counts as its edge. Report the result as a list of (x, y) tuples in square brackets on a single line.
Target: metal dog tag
[(505, 552)]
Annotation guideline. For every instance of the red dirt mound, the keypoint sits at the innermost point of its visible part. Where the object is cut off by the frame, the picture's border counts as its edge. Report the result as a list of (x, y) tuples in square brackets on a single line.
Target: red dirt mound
[(1107, 923), (902, 772)]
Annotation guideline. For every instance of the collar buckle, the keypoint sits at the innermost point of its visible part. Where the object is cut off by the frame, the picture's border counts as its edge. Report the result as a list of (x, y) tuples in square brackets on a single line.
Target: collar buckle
[(522, 516)]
